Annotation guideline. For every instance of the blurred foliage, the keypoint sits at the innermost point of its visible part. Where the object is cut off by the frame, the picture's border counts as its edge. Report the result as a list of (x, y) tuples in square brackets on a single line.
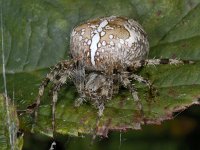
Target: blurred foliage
[(177, 134), (36, 36), (9, 126)]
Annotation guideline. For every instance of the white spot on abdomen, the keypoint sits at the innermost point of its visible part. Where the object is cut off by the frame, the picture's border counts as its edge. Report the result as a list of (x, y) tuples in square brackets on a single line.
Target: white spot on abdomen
[(112, 43), (73, 32), (89, 42), (80, 38), (93, 46), (102, 25), (121, 41), (104, 43), (96, 39), (103, 33), (111, 36), (134, 36), (99, 44)]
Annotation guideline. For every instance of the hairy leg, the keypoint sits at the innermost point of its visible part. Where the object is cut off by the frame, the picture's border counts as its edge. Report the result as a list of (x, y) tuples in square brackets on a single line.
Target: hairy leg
[(105, 93), (140, 79), (100, 106), (150, 62), (79, 82), (79, 101), (151, 87), (124, 79), (54, 76), (55, 90)]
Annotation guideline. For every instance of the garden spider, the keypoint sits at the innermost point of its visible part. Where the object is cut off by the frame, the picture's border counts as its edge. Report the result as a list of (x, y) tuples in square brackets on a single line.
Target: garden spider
[(106, 52)]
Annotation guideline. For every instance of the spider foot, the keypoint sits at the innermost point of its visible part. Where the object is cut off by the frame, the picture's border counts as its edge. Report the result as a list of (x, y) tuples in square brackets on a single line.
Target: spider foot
[(100, 110), (31, 108), (79, 101), (153, 92)]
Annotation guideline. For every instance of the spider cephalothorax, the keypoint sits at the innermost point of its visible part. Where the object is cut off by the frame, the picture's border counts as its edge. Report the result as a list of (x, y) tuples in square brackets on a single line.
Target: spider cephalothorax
[(103, 50)]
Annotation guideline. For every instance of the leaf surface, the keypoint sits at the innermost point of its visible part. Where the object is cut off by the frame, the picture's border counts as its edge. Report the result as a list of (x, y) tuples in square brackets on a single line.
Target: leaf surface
[(9, 126), (36, 36)]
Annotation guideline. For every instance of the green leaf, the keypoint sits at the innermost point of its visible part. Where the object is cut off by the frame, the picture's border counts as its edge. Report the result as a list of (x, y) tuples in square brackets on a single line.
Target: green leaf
[(9, 126), (36, 36)]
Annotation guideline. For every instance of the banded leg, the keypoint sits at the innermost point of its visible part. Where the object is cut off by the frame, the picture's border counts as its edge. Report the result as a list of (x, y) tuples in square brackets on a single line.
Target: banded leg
[(100, 106), (149, 62), (51, 77), (126, 82), (167, 61), (79, 101), (152, 89), (140, 79), (55, 90), (106, 94)]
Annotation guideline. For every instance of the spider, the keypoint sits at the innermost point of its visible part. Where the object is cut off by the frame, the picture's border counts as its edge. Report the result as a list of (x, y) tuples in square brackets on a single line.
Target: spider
[(106, 53)]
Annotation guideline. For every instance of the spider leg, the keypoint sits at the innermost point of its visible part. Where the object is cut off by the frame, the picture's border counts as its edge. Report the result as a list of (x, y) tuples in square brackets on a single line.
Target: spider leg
[(101, 107), (49, 78), (140, 79), (79, 101), (105, 94), (63, 66), (124, 79), (55, 90), (167, 61), (150, 62), (79, 82)]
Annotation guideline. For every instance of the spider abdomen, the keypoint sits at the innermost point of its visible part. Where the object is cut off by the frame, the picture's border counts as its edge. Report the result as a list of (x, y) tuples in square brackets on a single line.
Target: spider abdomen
[(109, 43)]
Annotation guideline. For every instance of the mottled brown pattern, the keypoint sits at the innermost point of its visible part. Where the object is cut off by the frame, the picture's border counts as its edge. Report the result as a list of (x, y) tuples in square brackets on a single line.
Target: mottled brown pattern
[(98, 70), (114, 51)]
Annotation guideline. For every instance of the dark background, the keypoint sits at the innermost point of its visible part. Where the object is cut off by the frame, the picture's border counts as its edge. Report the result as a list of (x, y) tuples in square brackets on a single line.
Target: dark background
[(173, 30), (181, 133)]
